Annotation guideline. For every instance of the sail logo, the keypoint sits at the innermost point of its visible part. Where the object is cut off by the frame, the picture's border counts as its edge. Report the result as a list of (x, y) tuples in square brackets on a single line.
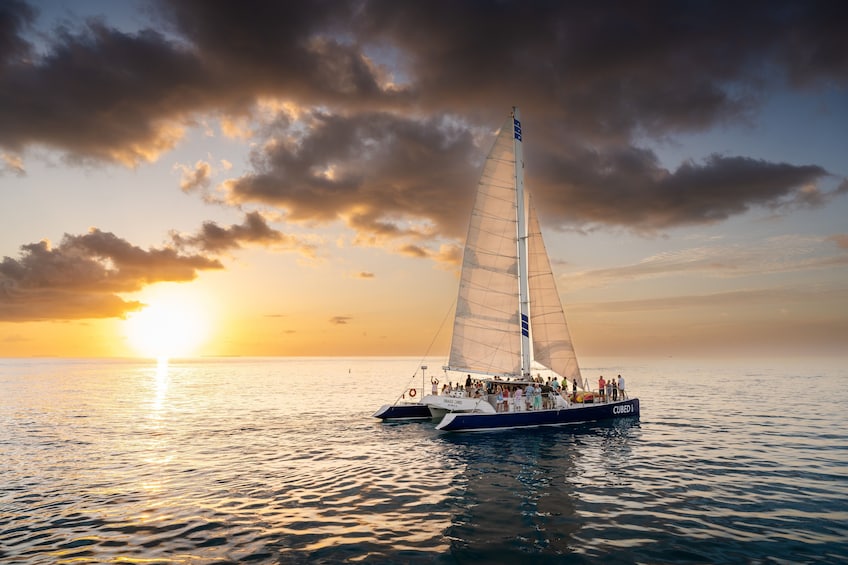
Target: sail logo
[(525, 326), (516, 126), (626, 409)]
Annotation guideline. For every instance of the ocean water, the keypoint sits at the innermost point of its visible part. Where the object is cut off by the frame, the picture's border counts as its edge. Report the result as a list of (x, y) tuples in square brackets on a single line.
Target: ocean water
[(279, 461)]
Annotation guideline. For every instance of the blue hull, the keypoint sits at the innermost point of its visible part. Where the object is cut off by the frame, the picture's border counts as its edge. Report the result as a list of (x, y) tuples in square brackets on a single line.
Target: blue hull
[(403, 412), (470, 421)]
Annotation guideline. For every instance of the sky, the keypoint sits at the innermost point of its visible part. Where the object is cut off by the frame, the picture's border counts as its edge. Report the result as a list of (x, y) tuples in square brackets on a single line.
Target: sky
[(185, 178)]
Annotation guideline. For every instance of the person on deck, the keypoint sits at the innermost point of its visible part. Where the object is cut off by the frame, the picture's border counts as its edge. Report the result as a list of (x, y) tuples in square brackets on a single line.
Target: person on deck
[(555, 387), (435, 386), (609, 390), (602, 388), (547, 395), (517, 400), (621, 387)]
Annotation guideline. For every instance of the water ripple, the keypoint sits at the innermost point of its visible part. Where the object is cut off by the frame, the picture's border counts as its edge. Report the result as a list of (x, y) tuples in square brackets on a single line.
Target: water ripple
[(237, 461)]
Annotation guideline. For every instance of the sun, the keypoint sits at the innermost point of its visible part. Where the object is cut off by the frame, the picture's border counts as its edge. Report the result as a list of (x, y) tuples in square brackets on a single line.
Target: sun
[(168, 327)]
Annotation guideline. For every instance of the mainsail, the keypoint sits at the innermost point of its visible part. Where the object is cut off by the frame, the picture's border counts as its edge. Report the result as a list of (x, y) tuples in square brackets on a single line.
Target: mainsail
[(487, 327), (485, 339)]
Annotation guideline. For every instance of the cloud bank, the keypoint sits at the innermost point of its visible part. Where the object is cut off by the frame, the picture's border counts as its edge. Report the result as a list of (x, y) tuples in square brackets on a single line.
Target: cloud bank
[(376, 114), (84, 275)]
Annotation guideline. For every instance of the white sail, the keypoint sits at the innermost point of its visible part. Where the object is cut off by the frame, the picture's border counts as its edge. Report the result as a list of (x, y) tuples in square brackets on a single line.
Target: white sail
[(552, 345), (485, 332), (509, 315), (487, 328)]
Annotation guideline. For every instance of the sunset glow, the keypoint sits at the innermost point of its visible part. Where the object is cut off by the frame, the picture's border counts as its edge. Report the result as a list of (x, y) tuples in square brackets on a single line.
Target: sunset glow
[(167, 328), (688, 167)]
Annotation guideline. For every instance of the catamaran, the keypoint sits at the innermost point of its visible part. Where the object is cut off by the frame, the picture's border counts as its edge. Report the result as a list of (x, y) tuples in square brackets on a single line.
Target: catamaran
[(509, 321)]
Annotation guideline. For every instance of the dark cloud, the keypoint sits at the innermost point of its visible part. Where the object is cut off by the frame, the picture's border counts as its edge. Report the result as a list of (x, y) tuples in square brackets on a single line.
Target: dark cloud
[(381, 173), (376, 171), (610, 67), (15, 17), (302, 50), (83, 275), (601, 69), (395, 96), (100, 94), (629, 188), (255, 230), (103, 94)]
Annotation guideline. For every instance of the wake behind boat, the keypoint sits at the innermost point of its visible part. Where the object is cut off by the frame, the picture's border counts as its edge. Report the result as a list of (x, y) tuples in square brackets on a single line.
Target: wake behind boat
[(509, 320)]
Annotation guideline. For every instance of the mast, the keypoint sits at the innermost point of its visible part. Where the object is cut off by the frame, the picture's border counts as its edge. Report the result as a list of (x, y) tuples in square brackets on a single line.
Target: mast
[(523, 295)]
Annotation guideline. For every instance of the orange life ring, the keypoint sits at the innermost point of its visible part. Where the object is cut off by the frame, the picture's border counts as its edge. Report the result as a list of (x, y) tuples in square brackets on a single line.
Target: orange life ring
[(412, 392)]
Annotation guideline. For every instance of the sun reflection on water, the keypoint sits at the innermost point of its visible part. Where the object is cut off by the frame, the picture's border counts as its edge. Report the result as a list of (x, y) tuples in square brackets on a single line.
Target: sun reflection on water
[(161, 381)]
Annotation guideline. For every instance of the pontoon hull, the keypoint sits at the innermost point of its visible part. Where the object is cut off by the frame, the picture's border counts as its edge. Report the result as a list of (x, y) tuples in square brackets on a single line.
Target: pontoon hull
[(469, 422), (403, 412)]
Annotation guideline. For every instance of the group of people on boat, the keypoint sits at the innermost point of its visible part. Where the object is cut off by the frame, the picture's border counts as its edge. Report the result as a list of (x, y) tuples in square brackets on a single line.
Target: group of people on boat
[(611, 390), (472, 389), (531, 396), (532, 393)]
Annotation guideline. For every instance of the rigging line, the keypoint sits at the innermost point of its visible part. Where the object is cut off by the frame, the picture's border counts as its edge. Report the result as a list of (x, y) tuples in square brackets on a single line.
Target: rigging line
[(427, 352)]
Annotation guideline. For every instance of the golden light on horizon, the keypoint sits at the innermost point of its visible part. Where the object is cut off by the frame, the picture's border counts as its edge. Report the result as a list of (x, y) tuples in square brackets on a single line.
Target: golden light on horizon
[(170, 326)]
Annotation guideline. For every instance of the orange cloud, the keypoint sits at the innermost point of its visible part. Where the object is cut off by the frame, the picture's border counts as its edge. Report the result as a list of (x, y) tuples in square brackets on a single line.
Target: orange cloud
[(82, 276), (840, 239), (254, 230)]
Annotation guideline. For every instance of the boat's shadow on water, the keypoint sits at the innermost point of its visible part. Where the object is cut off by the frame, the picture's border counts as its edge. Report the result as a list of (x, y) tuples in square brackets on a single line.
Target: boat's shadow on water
[(522, 491)]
